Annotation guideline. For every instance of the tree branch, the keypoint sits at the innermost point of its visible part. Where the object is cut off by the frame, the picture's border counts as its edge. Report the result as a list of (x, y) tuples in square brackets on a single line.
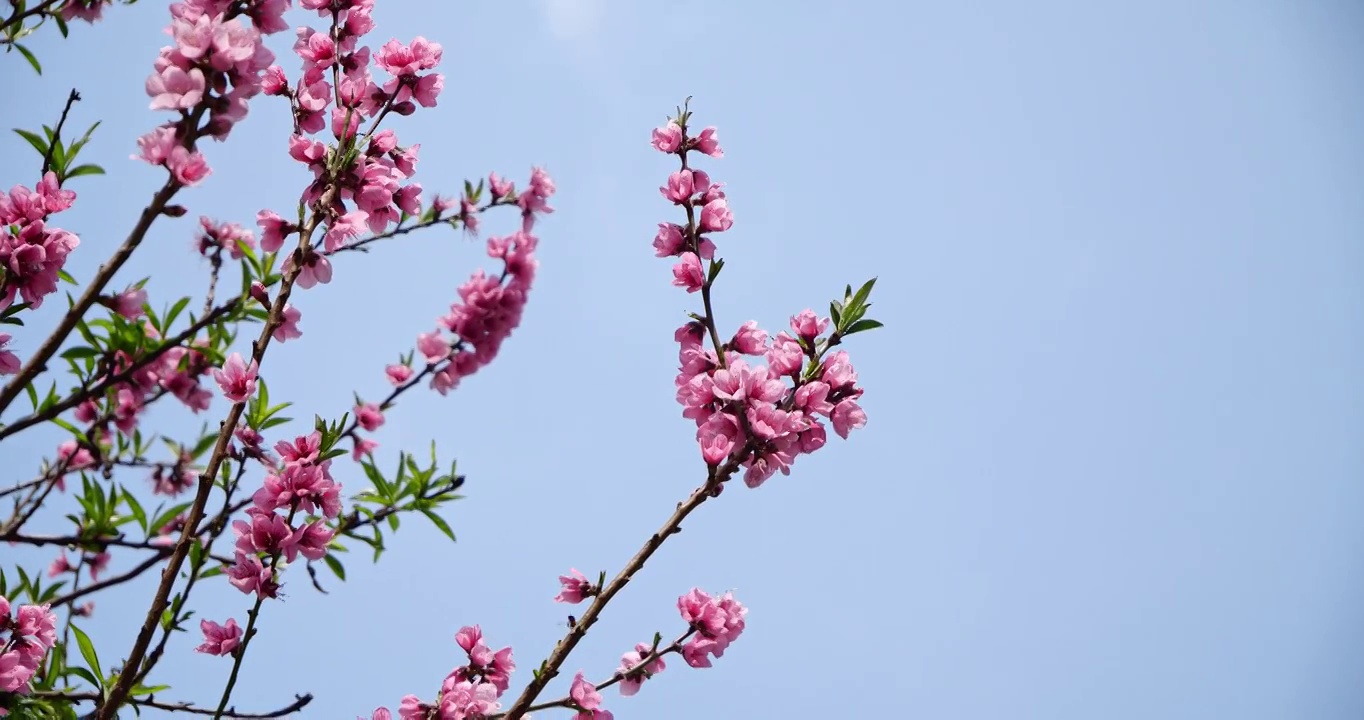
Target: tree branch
[(550, 668), (18, 17), (71, 99), (109, 708), (77, 398), (300, 702), (38, 363)]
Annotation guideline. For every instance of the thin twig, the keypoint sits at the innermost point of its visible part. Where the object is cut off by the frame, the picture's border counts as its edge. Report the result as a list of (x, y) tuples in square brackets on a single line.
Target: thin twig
[(550, 668), (216, 529), (38, 362), (71, 99), (17, 16), (300, 702), (142, 361), (119, 692)]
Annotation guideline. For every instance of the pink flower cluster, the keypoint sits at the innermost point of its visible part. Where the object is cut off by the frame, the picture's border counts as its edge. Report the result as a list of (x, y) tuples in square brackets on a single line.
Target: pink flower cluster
[(87, 10), (177, 371), (230, 237), (94, 563), (470, 691), (213, 49), (32, 254), (219, 639), (369, 417), (287, 517), (490, 308), (632, 674), (717, 622), (746, 413), (576, 588), (9, 362), (236, 379), (127, 303), (24, 641), (586, 700), (373, 182)]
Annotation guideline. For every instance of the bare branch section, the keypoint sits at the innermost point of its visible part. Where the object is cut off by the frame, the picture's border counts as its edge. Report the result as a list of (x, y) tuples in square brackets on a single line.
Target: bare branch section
[(150, 702)]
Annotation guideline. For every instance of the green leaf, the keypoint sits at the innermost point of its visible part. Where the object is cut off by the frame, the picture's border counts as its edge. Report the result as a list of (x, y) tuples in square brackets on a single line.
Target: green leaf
[(29, 56), (67, 426), (862, 294), (205, 443), (337, 568), (166, 517), (715, 267), (58, 156), (88, 652), (76, 353), (76, 146), (135, 509), (440, 523), (85, 674), (196, 555), (175, 312), (35, 140), (861, 325), (66, 277), (86, 169)]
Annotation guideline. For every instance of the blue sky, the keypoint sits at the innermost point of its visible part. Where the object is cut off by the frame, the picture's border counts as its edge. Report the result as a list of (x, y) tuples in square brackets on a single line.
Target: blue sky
[(1112, 467)]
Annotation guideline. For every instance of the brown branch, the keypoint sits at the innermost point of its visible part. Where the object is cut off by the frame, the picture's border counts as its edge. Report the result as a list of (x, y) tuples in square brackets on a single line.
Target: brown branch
[(38, 363), (550, 668), (300, 702), (75, 595), (77, 398), (216, 527), (109, 708), (71, 99), (19, 17), (566, 702)]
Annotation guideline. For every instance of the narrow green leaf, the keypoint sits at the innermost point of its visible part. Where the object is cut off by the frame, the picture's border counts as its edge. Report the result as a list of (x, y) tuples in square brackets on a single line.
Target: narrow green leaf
[(30, 57), (85, 675), (861, 325), (86, 169), (337, 568), (135, 509), (67, 426), (35, 140), (863, 293), (166, 516), (175, 311), (440, 524), (88, 652), (76, 353)]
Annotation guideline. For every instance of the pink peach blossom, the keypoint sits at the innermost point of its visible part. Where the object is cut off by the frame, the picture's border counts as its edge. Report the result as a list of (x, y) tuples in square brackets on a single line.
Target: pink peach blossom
[(219, 639), (236, 379)]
